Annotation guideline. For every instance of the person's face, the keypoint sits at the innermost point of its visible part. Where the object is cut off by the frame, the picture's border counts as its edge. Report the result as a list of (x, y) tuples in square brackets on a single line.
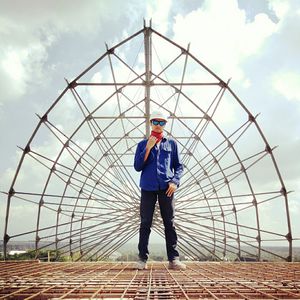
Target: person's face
[(158, 127)]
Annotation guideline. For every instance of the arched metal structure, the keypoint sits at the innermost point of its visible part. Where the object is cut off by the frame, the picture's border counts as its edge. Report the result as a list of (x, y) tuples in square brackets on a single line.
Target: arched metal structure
[(75, 188)]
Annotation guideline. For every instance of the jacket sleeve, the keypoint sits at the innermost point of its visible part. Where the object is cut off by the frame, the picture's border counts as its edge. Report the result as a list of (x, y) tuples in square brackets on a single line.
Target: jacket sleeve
[(139, 158), (177, 165), (140, 152)]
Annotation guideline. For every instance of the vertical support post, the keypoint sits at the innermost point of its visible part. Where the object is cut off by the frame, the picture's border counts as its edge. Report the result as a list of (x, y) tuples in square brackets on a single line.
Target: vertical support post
[(148, 67), (6, 236)]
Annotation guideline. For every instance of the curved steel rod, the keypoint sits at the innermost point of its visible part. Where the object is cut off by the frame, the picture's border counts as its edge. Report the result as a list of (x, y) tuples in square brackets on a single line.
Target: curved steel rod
[(90, 188)]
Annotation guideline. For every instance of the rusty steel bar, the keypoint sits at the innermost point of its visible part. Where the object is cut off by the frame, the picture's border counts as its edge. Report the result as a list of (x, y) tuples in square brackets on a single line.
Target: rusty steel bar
[(110, 280)]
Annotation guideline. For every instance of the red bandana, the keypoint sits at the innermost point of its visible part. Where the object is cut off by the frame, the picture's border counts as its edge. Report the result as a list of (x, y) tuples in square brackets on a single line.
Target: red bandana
[(158, 135)]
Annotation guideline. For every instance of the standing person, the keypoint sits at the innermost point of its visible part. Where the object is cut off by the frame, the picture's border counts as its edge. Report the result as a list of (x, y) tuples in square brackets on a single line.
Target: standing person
[(158, 159)]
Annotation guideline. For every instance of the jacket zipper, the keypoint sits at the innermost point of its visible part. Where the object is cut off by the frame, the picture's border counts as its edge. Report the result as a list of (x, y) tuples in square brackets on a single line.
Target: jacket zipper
[(157, 162)]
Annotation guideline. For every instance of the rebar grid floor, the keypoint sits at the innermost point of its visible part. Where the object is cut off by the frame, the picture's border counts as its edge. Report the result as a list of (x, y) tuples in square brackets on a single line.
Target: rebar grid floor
[(104, 280)]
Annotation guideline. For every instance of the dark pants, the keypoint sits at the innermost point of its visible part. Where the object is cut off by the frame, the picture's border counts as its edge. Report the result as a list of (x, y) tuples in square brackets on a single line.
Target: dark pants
[(167, 211)]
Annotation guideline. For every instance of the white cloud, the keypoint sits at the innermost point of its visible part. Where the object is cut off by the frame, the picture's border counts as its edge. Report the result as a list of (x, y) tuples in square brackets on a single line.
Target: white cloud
[(21, 66), (7, 176), (158, 11), (221, 36), (254, 35), (22, 56), (12, 65), (281, 8), (57, 16), (28, 30), (287, 84)]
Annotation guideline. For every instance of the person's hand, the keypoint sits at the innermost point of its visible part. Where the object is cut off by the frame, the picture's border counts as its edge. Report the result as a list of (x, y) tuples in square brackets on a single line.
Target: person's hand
[(151, 142), (171, 189)]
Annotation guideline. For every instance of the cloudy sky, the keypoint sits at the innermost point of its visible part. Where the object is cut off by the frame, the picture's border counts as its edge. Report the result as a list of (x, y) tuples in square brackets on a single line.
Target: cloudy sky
[(255, 43)]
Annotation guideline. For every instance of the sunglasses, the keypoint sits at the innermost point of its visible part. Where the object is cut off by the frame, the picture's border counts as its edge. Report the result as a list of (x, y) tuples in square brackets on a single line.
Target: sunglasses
[(156, 122)]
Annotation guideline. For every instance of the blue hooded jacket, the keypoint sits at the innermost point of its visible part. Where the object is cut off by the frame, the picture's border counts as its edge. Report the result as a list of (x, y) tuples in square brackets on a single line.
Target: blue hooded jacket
[(162, 166)]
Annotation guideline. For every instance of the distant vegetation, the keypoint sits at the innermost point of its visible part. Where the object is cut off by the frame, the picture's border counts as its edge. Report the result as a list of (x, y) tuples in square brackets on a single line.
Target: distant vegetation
[(129, 253), (44, 255)]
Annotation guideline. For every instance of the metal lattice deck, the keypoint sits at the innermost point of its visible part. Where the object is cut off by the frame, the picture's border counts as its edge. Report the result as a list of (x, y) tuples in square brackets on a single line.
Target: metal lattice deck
[(33, 280)]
